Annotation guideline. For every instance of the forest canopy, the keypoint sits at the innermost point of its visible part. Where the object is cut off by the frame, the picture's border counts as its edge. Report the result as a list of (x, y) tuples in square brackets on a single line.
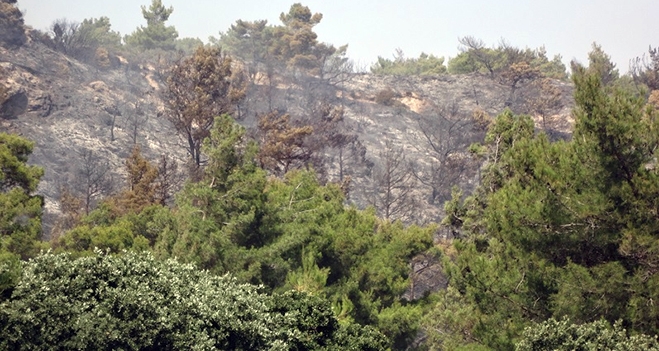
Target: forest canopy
[(300, 203)]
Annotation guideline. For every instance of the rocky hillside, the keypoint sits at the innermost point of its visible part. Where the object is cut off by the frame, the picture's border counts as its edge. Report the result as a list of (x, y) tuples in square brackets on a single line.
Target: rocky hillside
[(423, 109), (79, 114)]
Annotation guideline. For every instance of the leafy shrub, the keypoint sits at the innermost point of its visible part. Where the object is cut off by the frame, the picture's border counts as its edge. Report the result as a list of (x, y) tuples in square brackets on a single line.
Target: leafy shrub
[(132, 301), (424, 65), (599, 335), (82, 40)]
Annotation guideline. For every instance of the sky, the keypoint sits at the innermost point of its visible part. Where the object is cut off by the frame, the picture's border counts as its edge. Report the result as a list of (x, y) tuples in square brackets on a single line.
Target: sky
[(372, 28)]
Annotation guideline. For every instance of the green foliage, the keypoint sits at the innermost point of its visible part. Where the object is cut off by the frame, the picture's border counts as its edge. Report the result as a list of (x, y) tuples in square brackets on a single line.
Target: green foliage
[(451, 323), (288, 233), (598, 335), (225, 206), (554, 68), (120, 235), (131, 219), (599, 63), (188, 45), (424, 65), (367, 259), (310, 278), (400, 323), (499, 60), (156, 35), (291, 46), (99, 33), (483, 59), (132, 301), (296, 43), (293, 233), (104, 228), (645, 70), (14, 171), (563, 228), (20, 211), (86, 40), (10, 272), (463, 63), (249, 41), (309, 324)]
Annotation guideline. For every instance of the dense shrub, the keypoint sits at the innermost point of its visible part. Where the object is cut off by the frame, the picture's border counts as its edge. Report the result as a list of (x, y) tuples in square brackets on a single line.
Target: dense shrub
[(133, 301), (599, 335)]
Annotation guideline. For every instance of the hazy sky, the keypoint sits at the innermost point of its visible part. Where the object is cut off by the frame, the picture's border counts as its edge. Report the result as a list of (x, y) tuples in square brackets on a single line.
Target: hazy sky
[(373, 28)]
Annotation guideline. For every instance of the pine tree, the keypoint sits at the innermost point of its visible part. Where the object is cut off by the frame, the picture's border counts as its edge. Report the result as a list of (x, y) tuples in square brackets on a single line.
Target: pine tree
[(20, 209), (156, 35), (282, 144), (599, 63), (199, 89), (142, 186), (564, 228)]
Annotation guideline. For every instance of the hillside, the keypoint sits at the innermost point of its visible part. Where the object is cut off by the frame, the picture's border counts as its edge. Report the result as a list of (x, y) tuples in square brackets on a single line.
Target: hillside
[(68, 108)]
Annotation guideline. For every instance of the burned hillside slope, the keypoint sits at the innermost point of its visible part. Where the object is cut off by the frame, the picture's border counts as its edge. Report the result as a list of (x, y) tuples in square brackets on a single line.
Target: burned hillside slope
[(84, 120), (413, 132), (409, 133)]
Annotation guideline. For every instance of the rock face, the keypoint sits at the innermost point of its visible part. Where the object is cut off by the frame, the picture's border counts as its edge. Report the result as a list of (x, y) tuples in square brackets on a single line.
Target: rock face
[(11, 25), (69, 108), (15, 104)]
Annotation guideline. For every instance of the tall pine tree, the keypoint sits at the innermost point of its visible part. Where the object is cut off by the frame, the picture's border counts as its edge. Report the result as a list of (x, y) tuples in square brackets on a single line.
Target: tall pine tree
[(566, 228)]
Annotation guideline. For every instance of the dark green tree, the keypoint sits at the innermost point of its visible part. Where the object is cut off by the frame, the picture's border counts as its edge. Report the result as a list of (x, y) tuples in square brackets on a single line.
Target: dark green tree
[(224, 208), (599, 63), (249, 41), (293, 233), (463, 63), (188, 45), (20, 209), (100, 33), (296, 44), (554, 68), (292, 46), (475, 56), (156, 35), (351, 257), (558, 228)]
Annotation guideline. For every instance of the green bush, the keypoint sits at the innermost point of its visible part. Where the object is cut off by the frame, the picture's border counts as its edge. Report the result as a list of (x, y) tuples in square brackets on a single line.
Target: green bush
[(599, 335), (423, 66), (133, 301)]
